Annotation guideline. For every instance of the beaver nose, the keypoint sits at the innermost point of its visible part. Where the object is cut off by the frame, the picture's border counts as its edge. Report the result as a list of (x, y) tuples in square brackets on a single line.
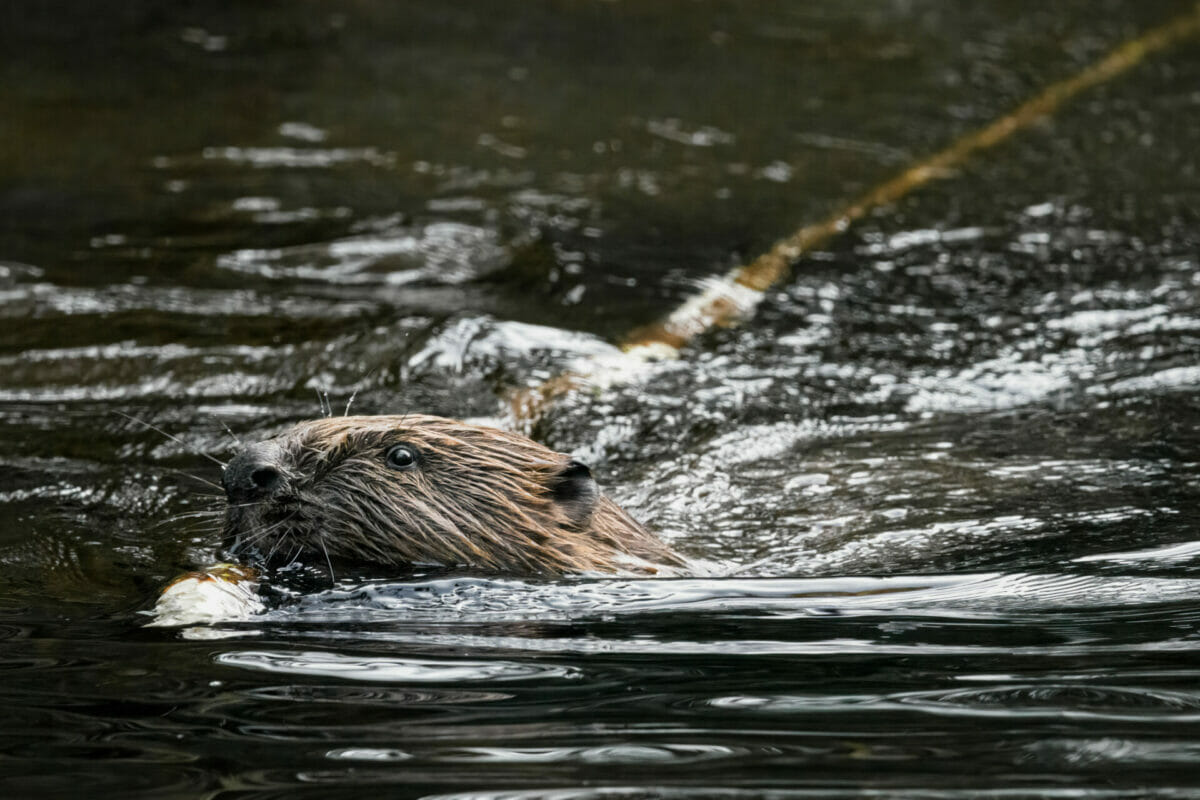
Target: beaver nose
[(252, 474)]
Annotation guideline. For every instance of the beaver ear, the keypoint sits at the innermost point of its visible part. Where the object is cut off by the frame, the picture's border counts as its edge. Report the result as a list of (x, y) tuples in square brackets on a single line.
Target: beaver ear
[(576, 491)]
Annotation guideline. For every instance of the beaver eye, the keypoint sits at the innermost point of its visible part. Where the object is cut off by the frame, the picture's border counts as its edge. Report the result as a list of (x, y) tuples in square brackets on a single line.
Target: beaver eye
[(402, 456)]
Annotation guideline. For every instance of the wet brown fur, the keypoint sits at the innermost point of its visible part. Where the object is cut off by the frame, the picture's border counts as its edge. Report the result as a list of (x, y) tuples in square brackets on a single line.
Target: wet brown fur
[(478, 497)]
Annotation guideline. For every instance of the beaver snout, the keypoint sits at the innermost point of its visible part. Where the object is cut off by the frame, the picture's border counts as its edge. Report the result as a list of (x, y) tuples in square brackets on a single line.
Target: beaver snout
[(253, 473)]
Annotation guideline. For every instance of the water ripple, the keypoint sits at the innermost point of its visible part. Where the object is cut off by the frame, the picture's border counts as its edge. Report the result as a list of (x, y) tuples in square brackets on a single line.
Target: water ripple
[(442, 253), (359, 668)]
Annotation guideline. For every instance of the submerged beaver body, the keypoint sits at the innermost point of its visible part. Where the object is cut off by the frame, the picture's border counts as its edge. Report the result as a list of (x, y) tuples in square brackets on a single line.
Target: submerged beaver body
[(403, 490)]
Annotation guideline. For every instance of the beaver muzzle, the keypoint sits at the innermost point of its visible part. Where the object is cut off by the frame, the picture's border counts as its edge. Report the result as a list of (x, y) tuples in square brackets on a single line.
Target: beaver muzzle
[(259, 501), (253, 474)]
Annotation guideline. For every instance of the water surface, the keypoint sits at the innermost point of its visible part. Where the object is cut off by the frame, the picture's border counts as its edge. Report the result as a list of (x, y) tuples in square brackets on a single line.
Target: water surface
[(945, 478)]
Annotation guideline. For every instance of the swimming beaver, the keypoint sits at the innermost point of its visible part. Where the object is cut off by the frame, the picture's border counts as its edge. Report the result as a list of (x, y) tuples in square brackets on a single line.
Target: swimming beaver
[(420, 489)]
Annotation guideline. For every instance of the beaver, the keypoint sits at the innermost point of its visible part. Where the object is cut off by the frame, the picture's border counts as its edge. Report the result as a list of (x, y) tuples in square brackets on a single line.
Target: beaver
[(421, 490)]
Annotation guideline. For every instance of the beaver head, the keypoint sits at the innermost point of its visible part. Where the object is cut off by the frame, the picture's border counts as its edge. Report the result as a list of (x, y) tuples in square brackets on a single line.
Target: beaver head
[(402, 490)]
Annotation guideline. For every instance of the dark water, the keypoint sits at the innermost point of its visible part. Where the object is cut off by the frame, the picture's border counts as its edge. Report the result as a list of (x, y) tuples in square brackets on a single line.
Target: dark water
[(947, 474)]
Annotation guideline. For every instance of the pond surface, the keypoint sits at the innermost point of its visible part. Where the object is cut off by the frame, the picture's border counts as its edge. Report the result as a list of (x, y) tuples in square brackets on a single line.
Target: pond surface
[(946, 477)]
